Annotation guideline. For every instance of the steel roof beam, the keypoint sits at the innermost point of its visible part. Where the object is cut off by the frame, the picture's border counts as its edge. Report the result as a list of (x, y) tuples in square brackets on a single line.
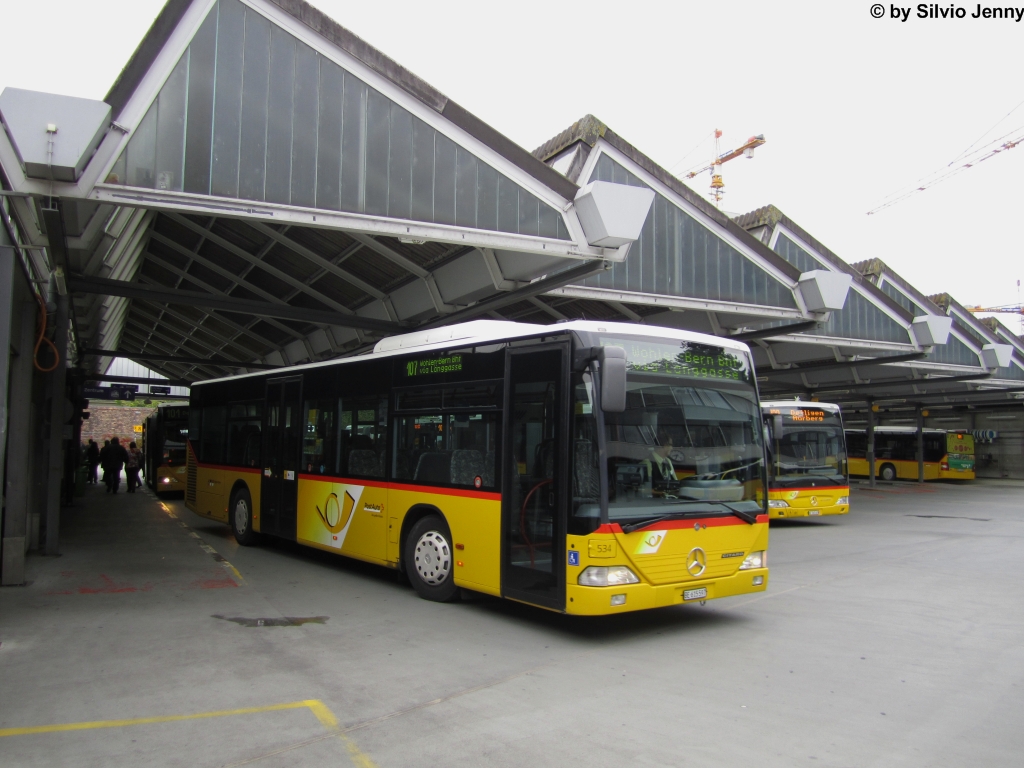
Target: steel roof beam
[(176, 343), (137, 380), (537, 287), (184, 370), (779, 330), (825, 365), (231, 341), (262, 264), (98, 285), (242, 329), (316, 258), (388, 253)]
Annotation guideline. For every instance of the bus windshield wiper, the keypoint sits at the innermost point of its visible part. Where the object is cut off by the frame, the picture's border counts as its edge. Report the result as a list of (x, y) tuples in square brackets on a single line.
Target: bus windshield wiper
[(743, 515)]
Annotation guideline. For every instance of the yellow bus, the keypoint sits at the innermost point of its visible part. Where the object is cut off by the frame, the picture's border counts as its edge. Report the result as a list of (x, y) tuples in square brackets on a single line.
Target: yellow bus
[(583, 467), (947, 455), (807, 463), (164, 438)]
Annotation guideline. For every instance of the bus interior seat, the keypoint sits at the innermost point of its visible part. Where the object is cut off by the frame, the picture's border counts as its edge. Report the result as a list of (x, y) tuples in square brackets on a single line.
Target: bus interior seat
[(434, 467), (467, 465), (363, 462)]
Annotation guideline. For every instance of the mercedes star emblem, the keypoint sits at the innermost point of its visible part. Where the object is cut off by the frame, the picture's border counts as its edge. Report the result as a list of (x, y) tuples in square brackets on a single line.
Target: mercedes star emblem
[(696, 561)]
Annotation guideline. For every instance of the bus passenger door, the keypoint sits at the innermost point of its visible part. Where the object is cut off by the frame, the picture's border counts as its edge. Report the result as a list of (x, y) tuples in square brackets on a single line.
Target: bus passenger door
[(281, 442), (535, 466)]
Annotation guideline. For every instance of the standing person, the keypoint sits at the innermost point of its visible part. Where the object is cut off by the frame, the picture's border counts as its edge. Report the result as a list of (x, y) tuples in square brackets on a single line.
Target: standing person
[(132, 465), (104, 453), (92, 458), (117, 457)]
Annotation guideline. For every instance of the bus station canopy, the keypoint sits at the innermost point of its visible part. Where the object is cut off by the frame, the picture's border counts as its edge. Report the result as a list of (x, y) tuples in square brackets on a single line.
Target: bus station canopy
[(262, 188)]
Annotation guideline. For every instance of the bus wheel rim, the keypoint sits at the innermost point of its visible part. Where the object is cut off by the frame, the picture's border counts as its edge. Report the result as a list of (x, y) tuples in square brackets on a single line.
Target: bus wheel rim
[(433, 558), (241, 516)]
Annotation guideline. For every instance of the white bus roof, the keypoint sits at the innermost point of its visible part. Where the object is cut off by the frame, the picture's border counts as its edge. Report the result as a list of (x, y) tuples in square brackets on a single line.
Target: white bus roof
[(484, 332)]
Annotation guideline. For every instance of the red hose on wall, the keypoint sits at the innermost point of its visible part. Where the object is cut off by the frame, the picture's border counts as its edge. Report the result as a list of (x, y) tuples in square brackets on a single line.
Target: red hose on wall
[(41, 338)]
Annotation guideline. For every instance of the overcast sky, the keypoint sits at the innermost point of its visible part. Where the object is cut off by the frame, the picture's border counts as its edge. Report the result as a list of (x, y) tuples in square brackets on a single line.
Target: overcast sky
[(853, 108)]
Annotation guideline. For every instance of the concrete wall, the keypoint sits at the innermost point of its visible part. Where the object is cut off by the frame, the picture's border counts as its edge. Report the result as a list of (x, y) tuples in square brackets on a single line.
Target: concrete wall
[(1003, 456)]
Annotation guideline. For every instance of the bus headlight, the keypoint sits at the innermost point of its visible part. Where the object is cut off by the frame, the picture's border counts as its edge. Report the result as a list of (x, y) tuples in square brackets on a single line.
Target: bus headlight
[(607, 576), (777, 503), (165, 479), (757, 559), (843, 500)]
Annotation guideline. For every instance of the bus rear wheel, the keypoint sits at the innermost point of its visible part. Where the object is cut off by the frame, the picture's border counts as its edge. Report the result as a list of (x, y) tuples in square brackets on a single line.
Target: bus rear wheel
[(887, 472), (429, 560), (241, 518)]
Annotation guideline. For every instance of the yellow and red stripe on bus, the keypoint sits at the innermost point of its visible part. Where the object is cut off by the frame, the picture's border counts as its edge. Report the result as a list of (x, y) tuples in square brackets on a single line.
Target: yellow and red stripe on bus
[(808, 502), (363, 519)]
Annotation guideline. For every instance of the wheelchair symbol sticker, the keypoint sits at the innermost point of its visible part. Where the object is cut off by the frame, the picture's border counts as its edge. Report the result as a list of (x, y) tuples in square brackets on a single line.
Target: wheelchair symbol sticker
[(574, 557)]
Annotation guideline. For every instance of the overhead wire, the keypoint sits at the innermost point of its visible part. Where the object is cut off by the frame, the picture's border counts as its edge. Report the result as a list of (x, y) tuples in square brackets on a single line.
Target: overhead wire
[(986, 133)]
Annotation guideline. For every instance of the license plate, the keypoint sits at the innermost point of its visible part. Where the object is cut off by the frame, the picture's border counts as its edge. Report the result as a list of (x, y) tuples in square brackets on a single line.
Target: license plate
[(695, 594), (814, 512)]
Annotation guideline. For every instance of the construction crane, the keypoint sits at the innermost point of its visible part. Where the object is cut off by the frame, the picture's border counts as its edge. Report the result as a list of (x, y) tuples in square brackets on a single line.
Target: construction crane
[(715, 166), (1009, 309)]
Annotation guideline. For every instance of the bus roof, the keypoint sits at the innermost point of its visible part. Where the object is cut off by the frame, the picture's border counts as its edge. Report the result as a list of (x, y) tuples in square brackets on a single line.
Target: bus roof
[(481, 332)]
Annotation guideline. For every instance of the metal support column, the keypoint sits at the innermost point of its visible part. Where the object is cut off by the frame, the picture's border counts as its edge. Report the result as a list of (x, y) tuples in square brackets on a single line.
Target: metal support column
[(7, 293), (871, 444), (58, 417), (19, 426), (920, 444)]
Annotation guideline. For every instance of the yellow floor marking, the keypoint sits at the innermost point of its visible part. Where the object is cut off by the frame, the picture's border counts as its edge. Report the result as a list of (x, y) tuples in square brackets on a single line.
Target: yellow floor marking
[(318, 708)]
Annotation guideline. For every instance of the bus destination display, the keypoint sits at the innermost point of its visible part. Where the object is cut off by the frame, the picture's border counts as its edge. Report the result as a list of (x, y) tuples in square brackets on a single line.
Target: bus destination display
[(449, 364), (696, 361), (799, 414)]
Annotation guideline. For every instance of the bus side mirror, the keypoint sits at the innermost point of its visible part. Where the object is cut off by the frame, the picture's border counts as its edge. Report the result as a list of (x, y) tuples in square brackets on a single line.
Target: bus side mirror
[(613, 379)]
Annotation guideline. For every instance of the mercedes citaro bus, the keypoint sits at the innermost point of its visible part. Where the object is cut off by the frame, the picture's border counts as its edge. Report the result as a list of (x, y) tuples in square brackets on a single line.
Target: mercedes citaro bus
[(582, 467), (947, 455), (808, 472), (165, 435)]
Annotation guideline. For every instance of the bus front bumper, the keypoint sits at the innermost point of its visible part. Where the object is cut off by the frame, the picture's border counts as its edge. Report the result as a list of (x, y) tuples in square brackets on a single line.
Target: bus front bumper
[(598, 601), (835, 509)]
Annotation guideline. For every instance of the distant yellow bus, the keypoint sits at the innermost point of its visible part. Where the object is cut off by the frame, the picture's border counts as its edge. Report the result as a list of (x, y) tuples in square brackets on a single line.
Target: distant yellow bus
[(808, 474), (584, 467), (947, 455), (165, 435)]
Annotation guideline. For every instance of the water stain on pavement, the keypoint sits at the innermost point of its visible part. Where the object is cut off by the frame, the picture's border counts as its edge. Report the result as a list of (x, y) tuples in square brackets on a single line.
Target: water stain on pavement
[(286, 621)]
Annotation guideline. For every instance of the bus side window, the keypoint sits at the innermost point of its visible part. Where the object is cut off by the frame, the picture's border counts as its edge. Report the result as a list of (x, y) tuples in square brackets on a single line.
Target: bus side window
[(319, 438), (214, 433), (244, 434), (362, 437)]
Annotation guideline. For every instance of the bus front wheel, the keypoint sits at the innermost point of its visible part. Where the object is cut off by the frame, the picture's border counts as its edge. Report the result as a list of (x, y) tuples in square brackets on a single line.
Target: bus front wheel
[(429, 559), (887, 472), (241, 518)]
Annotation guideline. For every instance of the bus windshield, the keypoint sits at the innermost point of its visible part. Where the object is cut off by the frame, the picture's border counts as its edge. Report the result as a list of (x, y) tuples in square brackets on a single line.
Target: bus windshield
[(689, 441), (806, 446)]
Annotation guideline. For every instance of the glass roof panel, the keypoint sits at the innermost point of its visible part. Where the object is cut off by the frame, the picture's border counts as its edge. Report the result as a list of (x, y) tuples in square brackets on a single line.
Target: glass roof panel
[(678, 256), (860, 319), (954, 352), (252, 112), (796, 255)]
